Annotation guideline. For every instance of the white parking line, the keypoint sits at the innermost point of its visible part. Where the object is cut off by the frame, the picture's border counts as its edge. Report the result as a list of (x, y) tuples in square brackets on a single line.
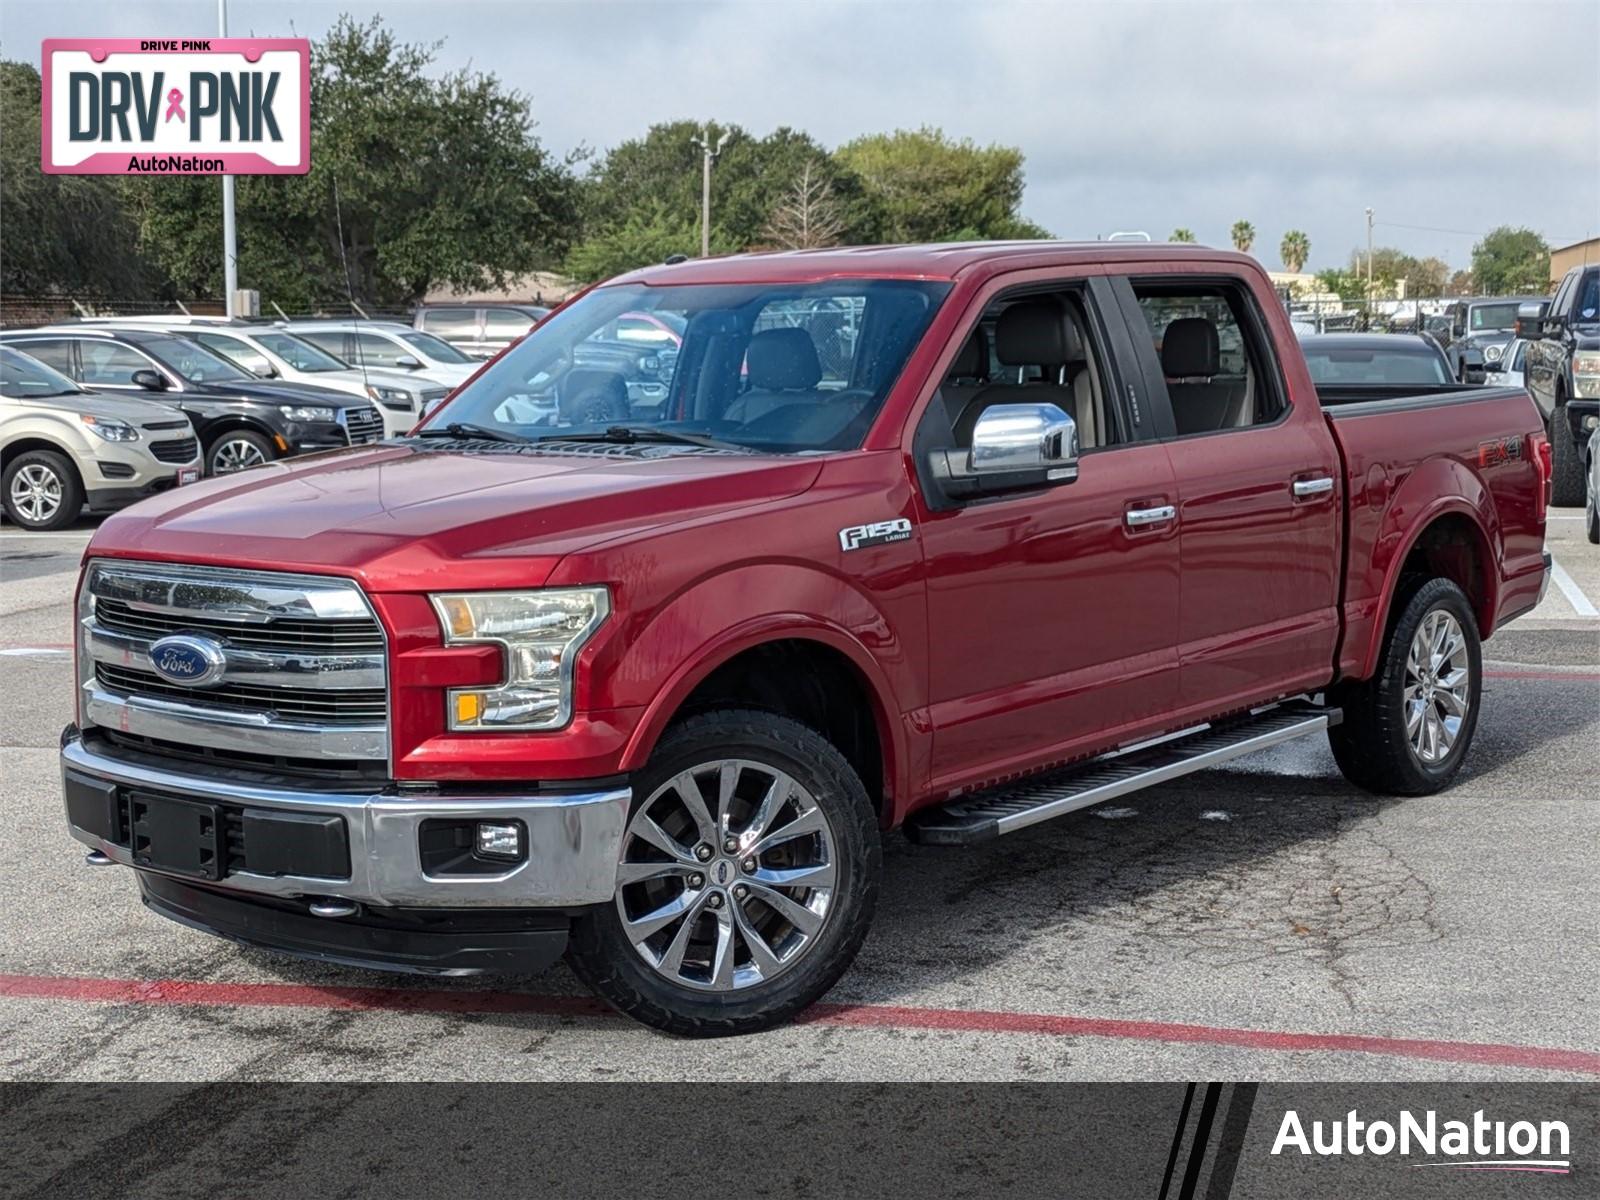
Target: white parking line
[(1574, 594)]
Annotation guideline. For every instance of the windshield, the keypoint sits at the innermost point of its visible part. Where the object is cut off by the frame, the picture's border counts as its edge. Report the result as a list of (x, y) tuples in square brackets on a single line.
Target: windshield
[(1391, 366), (435, 348), (300, 354), (776, 367), (194, 362), (22, 377), (1494, 316)]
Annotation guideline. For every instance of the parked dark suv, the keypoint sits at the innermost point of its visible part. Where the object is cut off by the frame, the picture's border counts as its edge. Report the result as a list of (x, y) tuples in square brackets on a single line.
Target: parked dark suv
[(1562, 372), (242, 421)]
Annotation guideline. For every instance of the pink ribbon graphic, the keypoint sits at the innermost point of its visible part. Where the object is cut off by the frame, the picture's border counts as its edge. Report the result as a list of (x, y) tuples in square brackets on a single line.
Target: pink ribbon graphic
[(175, 105)]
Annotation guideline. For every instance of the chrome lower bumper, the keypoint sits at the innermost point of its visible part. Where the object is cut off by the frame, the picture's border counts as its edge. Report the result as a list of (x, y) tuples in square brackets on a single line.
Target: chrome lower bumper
[(574, 840)]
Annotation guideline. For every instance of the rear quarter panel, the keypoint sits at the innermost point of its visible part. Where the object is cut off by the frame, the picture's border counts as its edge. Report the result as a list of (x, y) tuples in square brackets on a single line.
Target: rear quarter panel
[(1406, 467)]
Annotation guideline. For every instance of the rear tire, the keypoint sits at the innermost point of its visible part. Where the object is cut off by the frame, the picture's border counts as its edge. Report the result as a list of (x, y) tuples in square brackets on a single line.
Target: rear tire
[(1407, 729), (41, 490), (733, 963), (1566, 467)]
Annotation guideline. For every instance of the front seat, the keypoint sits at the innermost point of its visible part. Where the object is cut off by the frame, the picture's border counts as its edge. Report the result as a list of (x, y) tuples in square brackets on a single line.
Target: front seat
[(1034, 333), (1191, 359), (783, 369)]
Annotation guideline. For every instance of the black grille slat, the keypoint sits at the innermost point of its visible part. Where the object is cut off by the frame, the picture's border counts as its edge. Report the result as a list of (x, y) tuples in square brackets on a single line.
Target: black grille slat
[(182, 450), (353, 706), (351, 635)]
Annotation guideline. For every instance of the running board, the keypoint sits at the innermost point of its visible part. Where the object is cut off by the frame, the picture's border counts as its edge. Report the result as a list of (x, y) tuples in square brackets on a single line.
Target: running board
[(1010, 807)]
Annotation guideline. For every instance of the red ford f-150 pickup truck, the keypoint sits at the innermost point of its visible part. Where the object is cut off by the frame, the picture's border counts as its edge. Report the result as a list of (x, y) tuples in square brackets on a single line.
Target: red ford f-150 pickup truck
[(949, 539)]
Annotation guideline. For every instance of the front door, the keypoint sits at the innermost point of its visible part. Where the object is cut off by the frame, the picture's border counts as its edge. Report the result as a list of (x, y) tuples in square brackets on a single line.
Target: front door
[(1052, 614)]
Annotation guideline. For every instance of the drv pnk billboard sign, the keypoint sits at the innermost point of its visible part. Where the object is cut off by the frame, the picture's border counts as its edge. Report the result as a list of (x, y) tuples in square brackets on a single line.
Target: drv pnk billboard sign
[(167, 106)]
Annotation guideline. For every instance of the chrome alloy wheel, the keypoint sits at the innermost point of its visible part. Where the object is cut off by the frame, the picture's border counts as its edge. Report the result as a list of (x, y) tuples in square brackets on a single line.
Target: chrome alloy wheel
[(727, 875), (235, 454), (36, 493), (1438, 688)]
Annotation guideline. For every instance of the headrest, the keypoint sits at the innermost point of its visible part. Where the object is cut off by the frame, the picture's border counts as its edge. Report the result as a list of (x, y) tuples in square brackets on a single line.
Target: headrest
[(1036, 333), (1189, 349), (782, 360), (972, 361)]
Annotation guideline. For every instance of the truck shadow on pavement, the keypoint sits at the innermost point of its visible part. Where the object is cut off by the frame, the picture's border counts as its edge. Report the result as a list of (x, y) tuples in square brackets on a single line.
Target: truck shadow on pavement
[(1272, 860)]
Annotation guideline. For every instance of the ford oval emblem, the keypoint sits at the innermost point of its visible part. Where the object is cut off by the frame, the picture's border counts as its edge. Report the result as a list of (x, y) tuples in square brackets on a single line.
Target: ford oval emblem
[(188, 660)]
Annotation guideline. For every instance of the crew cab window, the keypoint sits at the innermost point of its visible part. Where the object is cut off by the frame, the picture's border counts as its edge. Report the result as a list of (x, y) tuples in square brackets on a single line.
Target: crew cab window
[(1587, 305), (374, 351), (459, 323), (782, 367), (109, 364), (243, 353), (1206, 339)]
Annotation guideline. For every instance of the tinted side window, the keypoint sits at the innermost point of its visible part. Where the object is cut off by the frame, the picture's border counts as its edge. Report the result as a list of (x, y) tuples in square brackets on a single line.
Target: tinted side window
[(57, 353), (1216, 373), (379, 352), (107, 363), (246, 355), (457, 324), (500, 324), (333, 341)]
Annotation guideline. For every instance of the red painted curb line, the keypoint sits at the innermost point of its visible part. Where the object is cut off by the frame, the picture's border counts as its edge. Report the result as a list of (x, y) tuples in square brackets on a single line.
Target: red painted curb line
[(441, 1000)]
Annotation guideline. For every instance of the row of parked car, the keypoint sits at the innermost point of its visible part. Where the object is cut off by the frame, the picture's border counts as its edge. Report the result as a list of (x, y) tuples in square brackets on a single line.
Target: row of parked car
[(104, 412)]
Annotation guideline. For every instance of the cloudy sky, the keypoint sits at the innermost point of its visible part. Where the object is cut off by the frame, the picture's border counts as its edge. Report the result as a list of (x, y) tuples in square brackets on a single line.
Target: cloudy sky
[(1447, 118)]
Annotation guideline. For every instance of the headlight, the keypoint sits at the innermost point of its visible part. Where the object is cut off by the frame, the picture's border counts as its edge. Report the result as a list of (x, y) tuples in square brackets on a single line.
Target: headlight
[(109, 428), (390, 397), (306, 412), (1586, 374), (1492, 353), (541, 633)]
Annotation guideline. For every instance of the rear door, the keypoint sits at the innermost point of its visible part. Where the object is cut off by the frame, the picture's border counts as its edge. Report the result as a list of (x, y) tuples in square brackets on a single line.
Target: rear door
[(1259, 493)]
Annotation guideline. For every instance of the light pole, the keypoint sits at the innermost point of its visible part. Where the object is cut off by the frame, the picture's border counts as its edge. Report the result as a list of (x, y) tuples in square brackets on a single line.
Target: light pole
[(1369, 266), (230, 248), (708, 153)]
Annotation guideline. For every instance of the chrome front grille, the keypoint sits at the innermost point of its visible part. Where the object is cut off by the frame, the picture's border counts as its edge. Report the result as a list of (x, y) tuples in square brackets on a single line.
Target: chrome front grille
[(363, 425), (294, 666)]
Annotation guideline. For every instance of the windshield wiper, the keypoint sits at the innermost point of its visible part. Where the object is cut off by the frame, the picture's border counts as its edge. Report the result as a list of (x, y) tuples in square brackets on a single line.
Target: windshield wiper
[(467, 432), (626, 435)]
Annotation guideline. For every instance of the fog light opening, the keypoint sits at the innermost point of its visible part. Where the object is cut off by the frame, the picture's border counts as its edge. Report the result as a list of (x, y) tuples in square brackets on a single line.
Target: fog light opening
[(500, 840)]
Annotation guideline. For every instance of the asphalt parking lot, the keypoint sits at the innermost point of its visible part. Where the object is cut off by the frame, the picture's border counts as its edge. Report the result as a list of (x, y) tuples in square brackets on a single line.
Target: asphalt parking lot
[(1264, 921)]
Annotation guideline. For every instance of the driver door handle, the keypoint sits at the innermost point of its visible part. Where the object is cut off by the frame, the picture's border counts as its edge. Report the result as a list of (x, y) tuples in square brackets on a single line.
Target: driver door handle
[(1138, 518), (1312, 487)]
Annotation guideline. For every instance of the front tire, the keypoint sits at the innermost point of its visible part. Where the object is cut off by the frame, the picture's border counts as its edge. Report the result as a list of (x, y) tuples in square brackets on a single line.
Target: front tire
[(41, 491), (1406, 730), (237, 450), (1566, 465), (748, 879)]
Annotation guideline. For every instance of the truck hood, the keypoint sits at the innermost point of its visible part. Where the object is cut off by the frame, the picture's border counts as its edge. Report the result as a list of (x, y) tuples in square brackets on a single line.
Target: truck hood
[(404, 518)]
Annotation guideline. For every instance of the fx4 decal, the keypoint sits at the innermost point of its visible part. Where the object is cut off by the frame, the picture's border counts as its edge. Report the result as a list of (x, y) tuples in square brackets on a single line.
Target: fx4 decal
[(876, 534)]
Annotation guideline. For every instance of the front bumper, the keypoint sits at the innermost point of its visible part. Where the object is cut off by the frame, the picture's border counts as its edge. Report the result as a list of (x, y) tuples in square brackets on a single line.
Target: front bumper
[(572, 839)]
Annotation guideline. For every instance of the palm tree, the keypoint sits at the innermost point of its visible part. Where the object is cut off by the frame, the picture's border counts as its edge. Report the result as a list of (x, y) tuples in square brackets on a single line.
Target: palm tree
[(1294, 250), (1182, 234), (1244, 236)]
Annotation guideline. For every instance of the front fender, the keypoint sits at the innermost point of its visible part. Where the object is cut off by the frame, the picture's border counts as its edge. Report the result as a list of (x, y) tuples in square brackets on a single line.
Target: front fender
[(659, 663)]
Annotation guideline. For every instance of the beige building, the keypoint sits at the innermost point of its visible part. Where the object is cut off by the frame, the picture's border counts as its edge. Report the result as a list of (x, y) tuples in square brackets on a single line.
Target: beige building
[(1579, 254)]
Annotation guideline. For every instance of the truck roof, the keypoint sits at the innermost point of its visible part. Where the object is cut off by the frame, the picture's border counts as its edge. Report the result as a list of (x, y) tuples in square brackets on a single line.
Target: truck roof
[(943, 260)]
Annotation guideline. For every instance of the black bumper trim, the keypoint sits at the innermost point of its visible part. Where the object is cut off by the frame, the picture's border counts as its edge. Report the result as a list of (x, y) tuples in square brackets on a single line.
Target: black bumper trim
[(414, 941)]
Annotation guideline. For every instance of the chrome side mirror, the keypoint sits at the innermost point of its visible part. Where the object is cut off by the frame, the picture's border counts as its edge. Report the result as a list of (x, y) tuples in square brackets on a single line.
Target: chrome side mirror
[(1015, 447), (1025, 437)]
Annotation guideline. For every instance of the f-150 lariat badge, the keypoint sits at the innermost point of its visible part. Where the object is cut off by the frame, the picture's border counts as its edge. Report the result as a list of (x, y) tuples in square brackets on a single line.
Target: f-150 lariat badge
[(878, 533)]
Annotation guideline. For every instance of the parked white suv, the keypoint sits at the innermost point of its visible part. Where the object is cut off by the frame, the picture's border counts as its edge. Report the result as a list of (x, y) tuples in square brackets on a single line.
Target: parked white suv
[(389, 346), (275, 353), (62, 447)]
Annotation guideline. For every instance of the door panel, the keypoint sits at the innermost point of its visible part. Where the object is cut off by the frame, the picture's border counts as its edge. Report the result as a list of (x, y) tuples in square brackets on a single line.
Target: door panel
[(1051, 619)]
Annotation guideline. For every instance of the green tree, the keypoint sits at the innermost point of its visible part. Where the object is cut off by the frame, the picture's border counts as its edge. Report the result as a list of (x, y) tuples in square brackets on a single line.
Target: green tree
[(60, 233), (644, 237), (1511, 260), (1182, 234), (925, 187), (1294, 250), (416, 181), (1244, 236), (1350, 286), (1422, 277)]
